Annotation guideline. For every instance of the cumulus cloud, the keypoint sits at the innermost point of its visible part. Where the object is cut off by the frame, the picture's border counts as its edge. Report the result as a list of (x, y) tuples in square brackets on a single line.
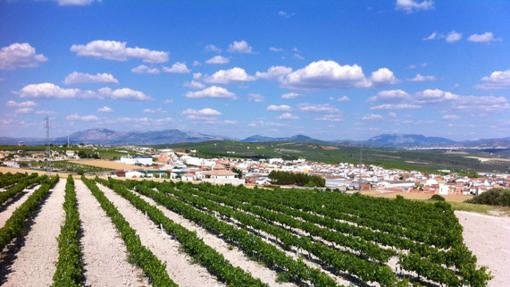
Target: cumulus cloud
[(389, 95), (290, 95), (343, 99), (450, 117), (432, 36), (318, 108), (331, 118), (81, 78), (177, 68), (218, 60), (435, 96), (235, 74), (212, 48), (453, 37), (326, 74), (105, 109), (240, 47), (255, 98), (20, 55), (423, 78), (124, 93), (202, 114), (24, 111), (372, 117), (288, 116), (482, 103), (496, 80), (383, 76), (211, 92), (274, 72), (414, 5), (49, 90), (482, 38), (118, 51), (193, 84), (143, 69), (76, 2), (403, 106), (83, 118), (25, 104), (275, 49), (279, 108)]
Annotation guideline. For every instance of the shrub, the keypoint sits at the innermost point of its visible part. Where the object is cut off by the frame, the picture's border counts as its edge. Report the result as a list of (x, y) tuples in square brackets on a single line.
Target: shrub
[(495, 196), (437, 197)]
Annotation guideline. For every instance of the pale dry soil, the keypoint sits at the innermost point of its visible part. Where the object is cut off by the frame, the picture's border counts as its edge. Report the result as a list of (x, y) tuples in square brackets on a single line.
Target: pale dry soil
[(488, 237), (35, 262), (231, 253), (104, 253), (179, 266), (6, 214)]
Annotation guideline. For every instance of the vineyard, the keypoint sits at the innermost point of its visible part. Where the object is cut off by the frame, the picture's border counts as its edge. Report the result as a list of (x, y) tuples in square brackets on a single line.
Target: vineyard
[(106, 232)]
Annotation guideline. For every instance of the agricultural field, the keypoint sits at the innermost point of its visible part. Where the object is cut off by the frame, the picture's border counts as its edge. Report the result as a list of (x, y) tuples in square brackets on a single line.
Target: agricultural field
[(106, 232)]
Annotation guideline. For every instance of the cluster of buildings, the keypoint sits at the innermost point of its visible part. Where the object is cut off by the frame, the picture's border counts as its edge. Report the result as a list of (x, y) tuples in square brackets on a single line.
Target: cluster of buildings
[(341, 176)]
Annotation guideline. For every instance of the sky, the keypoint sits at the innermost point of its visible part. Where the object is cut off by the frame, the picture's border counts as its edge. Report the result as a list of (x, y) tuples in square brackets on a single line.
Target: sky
[(328, 69)]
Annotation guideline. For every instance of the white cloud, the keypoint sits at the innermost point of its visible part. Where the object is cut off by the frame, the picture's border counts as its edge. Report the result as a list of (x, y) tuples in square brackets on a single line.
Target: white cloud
[(203, 114), (331, 118), (383, 76), (81, 78), (318, 108), (423, 78), (105, 109), (168, 101), (432, 36), (389, 95), (240, 47), (285, 14), (414, 5), (124, 94), (255, 98), (194, 85), (482, 103), (83, 118), (177, 68), (154, 111), (403, 106), (143, 69), (20, 55), (49, 90), (288, 116), (279, 108), (290, 95), (435, 96), (211, 92), (235, 74), (482, 38), (326, 74), (218, 60), (453, 37), (343, 99), (496, 80), (24, 111), (25, 104), (212, 48), (450, 117), (75, 2), (275, 49), (372, 117), (118, 51), (274, 72)]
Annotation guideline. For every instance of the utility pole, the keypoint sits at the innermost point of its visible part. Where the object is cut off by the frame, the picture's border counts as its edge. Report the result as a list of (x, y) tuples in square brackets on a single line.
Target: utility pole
[(47, 126), (360, 163)]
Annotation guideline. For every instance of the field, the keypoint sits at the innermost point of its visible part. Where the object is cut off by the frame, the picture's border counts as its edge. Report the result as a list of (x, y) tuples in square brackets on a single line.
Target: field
[(105, 232), (422, 160)]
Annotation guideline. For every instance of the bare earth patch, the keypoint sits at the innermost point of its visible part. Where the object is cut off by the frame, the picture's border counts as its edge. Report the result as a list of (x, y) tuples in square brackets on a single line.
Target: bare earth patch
[(489, 239), (179, 266), (35, 262), (104, 253), (108, 164)]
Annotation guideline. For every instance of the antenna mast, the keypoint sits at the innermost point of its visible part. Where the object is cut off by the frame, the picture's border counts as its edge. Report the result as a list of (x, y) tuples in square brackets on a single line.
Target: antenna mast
[(360, 164), (47, 126)]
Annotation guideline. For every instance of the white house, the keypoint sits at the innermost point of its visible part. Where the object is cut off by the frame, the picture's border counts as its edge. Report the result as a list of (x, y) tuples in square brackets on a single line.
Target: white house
[(137, 160)]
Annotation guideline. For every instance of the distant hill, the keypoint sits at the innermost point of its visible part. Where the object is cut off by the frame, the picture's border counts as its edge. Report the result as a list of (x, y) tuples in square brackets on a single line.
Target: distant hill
[(296, 138), (407, 140), (111, 137)]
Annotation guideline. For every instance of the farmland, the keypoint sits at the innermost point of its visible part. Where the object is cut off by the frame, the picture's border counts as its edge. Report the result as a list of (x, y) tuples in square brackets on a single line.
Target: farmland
[(99, 232)]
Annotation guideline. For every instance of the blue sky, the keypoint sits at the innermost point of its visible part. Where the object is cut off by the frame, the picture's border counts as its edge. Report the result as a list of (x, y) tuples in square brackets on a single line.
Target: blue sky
[(328, 69)]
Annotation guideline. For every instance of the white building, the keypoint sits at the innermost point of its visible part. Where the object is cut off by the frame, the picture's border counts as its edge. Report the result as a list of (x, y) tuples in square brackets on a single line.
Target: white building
[(137, 160)]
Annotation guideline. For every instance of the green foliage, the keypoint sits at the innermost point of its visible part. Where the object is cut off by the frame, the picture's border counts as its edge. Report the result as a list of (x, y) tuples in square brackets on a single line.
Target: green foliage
[(70, 270), (15, 224), (299, 179), (138, 254), (496, 196), (20, 186), (437, 197)]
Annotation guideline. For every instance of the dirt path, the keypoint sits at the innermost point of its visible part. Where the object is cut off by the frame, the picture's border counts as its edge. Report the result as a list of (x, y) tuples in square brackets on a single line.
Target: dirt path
[(104, 253), (178, 265), (231, 253), (489, 239), (35, 262), (6, 214)]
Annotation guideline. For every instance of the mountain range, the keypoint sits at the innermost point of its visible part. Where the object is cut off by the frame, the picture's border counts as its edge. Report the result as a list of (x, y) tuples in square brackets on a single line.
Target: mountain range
[(173, 136)]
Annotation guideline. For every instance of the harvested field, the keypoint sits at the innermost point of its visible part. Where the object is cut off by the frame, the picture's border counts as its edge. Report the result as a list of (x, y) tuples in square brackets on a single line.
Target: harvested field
[(108, 164)]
